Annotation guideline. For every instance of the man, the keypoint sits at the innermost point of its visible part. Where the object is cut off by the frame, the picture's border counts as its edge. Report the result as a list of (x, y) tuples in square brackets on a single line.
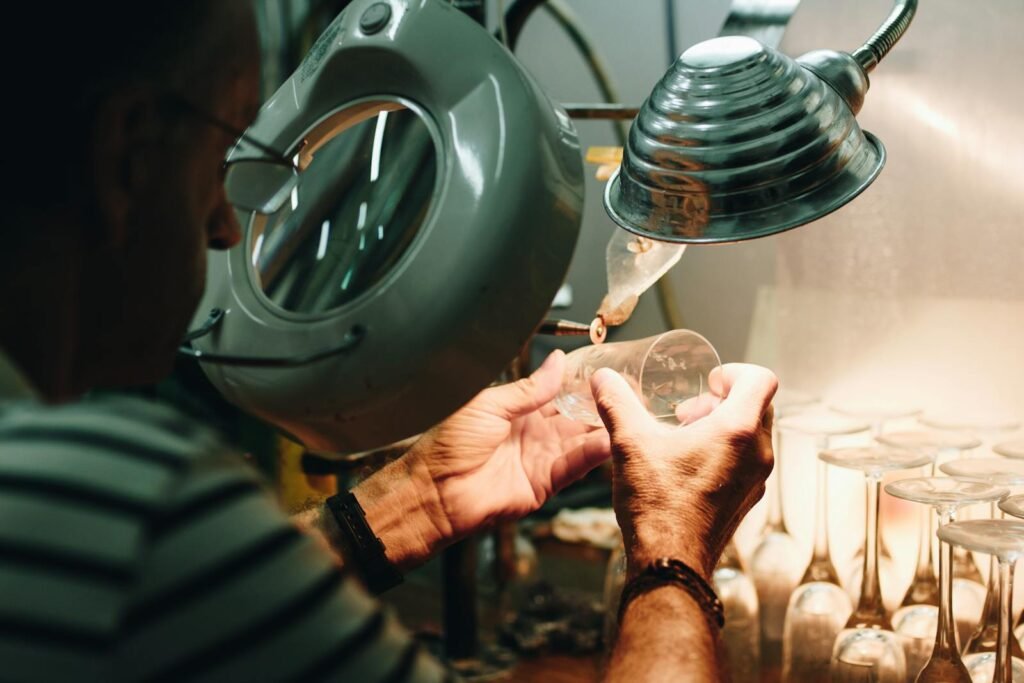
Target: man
[(131, 546)]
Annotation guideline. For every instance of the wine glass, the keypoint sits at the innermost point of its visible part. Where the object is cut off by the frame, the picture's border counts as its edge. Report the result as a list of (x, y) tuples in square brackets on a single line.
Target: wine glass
[(741, 635), (946, 496), (944, 445), (882, 415), (1010, 449), (675, 374), (1014, 506), (1000, 472), (775, 564), (1003, 539), (868, 635), (879, 414), (968, 588), (987, 425), (818, 608)]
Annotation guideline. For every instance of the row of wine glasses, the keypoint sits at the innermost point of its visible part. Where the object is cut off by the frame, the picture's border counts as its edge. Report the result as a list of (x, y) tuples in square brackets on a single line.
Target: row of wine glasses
[(820, 641), (868, 645)]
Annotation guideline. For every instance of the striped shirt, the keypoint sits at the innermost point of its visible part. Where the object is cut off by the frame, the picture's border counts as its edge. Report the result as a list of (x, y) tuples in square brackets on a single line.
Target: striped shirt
[(134, 548)]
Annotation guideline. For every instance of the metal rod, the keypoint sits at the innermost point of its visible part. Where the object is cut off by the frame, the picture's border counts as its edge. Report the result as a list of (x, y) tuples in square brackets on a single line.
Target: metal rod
[(564, 17), (610, 112), (877, 46), (563, 328), (671, 43)]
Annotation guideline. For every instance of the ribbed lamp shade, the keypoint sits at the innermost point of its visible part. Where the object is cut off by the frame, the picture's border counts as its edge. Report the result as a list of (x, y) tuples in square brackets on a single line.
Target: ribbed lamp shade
[(738, 141)]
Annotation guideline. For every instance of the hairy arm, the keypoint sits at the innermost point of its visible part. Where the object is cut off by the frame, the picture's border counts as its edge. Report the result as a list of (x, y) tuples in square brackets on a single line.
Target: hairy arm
[(400, 509), (664, 637), (679, 493)]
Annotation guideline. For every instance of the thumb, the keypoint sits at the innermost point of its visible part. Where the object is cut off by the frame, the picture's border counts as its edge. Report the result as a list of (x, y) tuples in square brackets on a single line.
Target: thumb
[(617, 403), (526, 395)]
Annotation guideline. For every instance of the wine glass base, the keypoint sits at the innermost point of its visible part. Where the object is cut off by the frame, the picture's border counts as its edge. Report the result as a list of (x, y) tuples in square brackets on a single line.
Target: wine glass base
[(741, 635), (775, 569), (944, 670), (878, 651), (816, 613), (915, 626), (981, 667)]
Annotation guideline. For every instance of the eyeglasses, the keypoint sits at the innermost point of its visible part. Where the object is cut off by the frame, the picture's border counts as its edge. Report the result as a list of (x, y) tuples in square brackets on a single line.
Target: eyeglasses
[(260, 184), (257, 177)]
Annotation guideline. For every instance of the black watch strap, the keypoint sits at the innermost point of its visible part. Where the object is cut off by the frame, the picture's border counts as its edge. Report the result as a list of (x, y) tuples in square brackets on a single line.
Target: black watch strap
[(363, 549)]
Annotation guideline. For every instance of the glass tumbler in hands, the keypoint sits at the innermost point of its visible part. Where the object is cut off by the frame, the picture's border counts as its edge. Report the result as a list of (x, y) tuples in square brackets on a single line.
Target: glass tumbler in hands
[(676, 375)]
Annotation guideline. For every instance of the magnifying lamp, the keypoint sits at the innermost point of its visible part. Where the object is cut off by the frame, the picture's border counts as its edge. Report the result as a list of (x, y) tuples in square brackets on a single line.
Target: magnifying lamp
[(420, 244), (738, 141)]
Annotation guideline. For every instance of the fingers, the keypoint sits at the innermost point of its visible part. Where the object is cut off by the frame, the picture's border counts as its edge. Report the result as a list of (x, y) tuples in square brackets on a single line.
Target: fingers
[(693, 409), (617, 403), (527, 395), (747, 389), (581, 454)]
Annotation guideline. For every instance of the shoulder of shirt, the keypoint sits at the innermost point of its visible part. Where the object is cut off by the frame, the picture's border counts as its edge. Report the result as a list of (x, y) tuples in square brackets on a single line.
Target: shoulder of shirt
[(125, 423)]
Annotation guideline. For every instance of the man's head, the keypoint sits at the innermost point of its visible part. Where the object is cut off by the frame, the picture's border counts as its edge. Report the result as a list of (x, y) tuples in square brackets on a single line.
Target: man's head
[(121, 182)]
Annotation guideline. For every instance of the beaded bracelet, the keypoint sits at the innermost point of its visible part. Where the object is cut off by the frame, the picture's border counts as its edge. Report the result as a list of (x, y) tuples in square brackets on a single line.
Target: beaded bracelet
[(668, 572)]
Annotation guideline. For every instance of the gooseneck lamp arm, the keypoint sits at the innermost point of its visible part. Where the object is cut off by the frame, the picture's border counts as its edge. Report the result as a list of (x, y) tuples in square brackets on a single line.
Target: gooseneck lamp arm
[(888, 34)]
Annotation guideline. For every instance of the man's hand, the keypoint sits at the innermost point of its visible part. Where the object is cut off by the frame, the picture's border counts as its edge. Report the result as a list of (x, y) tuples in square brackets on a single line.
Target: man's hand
[(681, 491), (506, 452), (501, 456)]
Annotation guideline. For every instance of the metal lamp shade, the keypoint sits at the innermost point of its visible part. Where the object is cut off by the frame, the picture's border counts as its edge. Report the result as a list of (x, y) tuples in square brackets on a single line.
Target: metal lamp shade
[(738, 141)]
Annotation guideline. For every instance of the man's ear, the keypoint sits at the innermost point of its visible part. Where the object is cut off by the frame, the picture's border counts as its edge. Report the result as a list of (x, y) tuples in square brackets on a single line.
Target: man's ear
[(125, 135)]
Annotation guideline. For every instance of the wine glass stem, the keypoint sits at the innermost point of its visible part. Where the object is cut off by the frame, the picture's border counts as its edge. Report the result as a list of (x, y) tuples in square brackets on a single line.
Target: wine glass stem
[(981, 640), (821, 515), (945, 639), (870, 610), (924, 572), (1004, 663), (776, 521)]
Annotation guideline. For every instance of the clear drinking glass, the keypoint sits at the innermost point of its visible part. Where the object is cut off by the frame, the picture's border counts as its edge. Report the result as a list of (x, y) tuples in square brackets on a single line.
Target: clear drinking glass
[(741, 634), (999, 472), (945, 496), (1010, 449), (878, 414), (924, 588), (868, 635), (819, 606), (881, 415), (986, 425), (675, 374), (868, 655), (1005, 540), (1015, 451), (776, 564), (1014, 506)]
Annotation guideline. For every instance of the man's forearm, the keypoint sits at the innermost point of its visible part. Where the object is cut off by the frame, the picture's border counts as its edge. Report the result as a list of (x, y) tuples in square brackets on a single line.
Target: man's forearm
[(398, 510), (664, 637)]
